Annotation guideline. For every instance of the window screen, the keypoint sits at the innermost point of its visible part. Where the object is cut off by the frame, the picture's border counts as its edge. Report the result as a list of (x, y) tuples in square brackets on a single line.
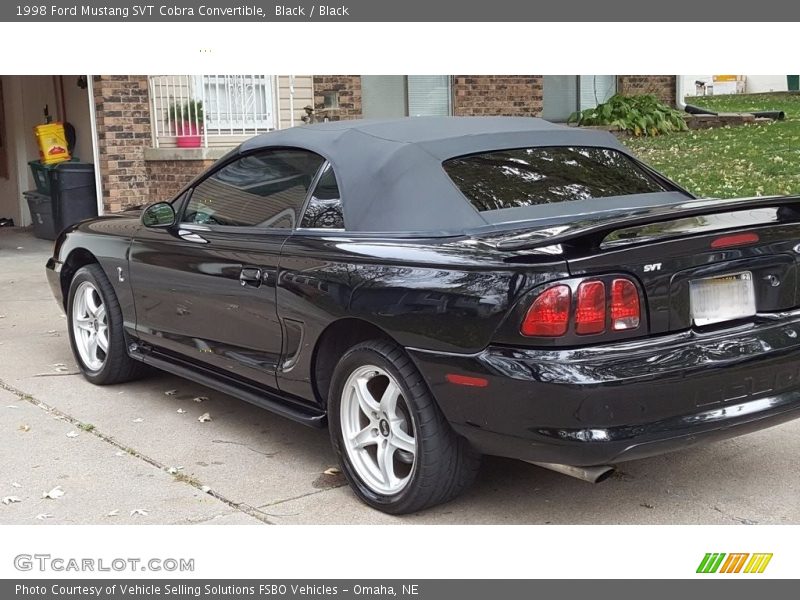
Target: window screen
[(531, 176), (267, 190)]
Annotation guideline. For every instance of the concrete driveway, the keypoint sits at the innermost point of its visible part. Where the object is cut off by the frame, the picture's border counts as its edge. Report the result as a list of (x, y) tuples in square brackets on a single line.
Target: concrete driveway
[(137, 453)]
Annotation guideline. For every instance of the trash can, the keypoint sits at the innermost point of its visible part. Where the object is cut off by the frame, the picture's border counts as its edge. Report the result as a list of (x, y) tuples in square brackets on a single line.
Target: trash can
[(41, 174), (41, 207), (793, 83), (72, 188), (71, 197)]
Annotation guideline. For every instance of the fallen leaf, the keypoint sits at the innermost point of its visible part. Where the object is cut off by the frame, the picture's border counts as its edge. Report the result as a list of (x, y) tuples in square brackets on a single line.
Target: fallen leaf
[(138, 420), (140, 512), (180, 411), (205, 417), (331, 471), (113, 513), (200, 398), (72, 434), (170, 392), (24, 427), (54, 494), (44, 516), (10, 500)]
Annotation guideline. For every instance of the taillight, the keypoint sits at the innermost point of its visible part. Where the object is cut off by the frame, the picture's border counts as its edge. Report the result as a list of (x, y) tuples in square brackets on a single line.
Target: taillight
[(551, 311), (590, 309), (548, 316), (625, 312)]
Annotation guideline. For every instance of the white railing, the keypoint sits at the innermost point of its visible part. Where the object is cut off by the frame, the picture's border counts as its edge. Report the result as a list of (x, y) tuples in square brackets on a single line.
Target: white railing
[(203, 110)]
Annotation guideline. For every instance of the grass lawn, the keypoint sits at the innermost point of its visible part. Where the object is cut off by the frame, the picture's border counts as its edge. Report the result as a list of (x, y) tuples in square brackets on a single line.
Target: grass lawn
[(746, 160)]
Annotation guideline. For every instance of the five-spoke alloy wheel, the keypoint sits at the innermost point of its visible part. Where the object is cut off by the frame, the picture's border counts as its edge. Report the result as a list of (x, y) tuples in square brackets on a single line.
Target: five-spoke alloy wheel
[(95, 328), (396, 448), (377, 429), (90, 326)]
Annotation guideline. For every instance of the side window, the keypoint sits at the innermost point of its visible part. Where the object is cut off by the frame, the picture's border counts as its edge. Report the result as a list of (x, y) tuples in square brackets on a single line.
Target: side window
[(324, 210), (266, 190)]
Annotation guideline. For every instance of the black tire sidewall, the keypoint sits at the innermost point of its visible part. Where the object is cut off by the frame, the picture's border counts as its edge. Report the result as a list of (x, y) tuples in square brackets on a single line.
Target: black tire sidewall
[(353, 359), (92, 274)]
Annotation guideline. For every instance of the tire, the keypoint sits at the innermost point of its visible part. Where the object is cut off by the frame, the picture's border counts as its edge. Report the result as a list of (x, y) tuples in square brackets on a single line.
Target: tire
[(93, 312), (404, 457)]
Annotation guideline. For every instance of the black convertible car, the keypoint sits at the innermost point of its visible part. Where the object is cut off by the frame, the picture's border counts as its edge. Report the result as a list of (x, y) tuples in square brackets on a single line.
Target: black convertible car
[(434, 289)]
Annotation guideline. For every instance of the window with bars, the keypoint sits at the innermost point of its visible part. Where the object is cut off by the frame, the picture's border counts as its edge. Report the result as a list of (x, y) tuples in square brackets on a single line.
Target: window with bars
[(204, 110)]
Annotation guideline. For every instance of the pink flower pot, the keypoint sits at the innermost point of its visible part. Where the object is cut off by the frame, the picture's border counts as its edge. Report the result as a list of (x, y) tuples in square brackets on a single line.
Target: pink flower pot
[(189, 136)]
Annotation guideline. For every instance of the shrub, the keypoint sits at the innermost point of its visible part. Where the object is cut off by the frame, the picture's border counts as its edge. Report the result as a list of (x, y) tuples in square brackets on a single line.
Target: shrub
[(639, 115)]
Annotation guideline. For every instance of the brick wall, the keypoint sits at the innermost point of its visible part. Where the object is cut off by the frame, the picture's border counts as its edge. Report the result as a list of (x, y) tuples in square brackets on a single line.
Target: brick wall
[(122, 108), (347, 90), (123, 132), (167, 177), (492, 95), (661, 86)]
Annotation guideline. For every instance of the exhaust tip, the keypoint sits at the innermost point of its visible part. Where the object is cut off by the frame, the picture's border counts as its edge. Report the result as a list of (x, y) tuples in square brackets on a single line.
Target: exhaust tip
[(605, 474), (591, 474)]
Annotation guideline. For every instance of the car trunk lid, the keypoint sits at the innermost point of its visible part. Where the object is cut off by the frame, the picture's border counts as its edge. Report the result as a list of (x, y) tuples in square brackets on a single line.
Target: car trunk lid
[(700, 263)]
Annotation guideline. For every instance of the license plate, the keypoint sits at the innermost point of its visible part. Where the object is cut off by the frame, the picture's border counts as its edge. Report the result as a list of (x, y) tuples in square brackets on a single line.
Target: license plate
[(724, 298)]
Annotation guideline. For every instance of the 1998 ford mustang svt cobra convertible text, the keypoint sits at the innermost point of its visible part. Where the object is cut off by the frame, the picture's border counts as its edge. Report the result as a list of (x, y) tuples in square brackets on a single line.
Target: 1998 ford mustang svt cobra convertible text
[(434, 289)]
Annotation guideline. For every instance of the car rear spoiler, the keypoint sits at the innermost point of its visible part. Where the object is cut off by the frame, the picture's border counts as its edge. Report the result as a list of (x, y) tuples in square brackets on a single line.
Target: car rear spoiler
[(592, 229)]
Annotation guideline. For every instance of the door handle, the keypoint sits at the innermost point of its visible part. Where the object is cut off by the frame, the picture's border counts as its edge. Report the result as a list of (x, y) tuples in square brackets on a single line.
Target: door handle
[(190, 236), (250, 276)]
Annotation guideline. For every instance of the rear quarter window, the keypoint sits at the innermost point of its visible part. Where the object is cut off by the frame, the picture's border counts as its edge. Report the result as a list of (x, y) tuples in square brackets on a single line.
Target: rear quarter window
[(533, 176)]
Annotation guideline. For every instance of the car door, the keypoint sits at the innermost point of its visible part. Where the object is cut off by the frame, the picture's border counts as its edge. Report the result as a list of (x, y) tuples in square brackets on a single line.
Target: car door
[(204, 289)]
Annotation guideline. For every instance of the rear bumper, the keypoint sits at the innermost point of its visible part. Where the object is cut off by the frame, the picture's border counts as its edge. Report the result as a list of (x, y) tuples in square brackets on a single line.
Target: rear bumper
[(617, 402)]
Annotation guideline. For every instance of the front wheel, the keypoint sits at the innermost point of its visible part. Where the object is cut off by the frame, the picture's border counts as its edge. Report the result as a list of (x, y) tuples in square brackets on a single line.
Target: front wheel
[(95, 329), (396, 448)]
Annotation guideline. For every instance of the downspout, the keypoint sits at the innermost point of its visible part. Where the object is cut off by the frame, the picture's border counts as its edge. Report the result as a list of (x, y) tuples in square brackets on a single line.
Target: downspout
[(98, 180), (679, 102), (291, 100)]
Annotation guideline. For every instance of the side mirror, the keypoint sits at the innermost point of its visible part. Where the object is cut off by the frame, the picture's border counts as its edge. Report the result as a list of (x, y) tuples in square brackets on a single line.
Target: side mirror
[(160, 214)]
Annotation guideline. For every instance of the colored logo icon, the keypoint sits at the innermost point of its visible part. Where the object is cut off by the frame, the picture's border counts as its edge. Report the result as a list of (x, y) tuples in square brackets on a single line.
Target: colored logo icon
[(742, 562)]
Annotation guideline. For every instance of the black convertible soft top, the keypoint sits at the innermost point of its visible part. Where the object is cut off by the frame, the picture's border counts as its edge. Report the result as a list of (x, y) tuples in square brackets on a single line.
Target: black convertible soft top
[(390, 172)]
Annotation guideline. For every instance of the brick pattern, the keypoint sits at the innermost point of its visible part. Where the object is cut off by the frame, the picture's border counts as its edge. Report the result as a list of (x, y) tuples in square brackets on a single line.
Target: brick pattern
[(123, 132), (661, 86), (168, 177), (348, 94), (497, 95)]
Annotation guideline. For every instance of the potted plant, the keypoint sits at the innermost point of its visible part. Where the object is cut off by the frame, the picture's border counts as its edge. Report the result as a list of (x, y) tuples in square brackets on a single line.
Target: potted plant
[(187, 118)]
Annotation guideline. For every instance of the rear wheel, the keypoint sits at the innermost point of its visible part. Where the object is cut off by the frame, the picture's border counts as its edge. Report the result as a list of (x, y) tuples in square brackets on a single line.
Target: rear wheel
[(395, 446), (95, 329)]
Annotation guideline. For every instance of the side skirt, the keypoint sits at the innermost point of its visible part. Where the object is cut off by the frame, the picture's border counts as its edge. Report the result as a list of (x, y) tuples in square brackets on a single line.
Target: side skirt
[(307, 415)]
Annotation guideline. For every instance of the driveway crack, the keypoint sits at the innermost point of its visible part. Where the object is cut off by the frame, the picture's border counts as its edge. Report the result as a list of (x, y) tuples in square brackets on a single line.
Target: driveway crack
[(240, 506)]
